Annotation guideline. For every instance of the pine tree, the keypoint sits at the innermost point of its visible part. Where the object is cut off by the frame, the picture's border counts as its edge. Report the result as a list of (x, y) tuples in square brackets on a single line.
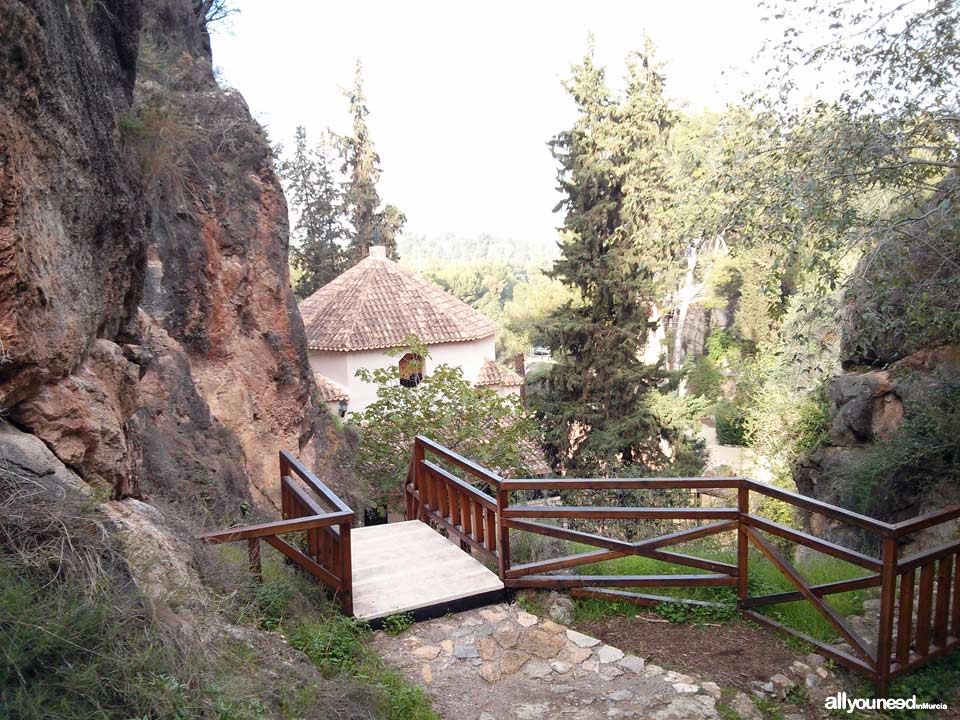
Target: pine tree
[(593, 402), (318, 234), (362, 166)]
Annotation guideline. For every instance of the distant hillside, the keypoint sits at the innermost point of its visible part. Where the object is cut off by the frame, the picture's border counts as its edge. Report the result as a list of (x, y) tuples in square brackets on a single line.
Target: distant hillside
[(417, 249)]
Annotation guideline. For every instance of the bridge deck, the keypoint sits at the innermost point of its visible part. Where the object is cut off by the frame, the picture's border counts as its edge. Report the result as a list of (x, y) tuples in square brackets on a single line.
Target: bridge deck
[(408, 566)]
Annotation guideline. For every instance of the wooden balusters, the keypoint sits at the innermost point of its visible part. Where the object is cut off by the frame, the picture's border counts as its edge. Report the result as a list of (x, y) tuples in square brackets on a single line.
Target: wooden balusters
[(941, 614), (905, 619), (924, 604)]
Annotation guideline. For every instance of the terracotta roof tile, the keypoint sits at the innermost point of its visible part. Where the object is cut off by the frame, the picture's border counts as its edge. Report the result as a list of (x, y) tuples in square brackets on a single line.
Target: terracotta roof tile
[(377, 303), (328, 390), (493, 373)]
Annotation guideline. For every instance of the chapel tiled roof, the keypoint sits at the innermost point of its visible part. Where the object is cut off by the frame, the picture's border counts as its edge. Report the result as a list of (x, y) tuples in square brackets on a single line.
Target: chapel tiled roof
[(493, 373), (377, 303), (328, 390)]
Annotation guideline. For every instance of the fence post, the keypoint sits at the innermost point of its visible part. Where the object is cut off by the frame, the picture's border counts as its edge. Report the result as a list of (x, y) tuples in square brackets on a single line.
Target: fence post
[(346, 570), (743, 548), (888, 594), (417, 511), (503, 533), (253, 549)]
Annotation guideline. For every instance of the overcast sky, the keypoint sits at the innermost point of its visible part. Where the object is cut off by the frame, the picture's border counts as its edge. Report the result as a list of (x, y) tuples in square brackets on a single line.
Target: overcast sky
[(463, 97)]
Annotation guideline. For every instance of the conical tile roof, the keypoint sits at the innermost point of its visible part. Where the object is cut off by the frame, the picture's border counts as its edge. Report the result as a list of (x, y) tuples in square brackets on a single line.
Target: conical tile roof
[(377, 303)]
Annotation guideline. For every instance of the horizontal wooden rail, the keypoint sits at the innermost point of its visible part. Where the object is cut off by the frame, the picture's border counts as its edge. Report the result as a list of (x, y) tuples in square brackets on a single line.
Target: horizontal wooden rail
[(926, 521), (561, 484), (815, 543), (619, 513), (933, 554), (478, 471), (572, 581), (278, 527), (818, 506)]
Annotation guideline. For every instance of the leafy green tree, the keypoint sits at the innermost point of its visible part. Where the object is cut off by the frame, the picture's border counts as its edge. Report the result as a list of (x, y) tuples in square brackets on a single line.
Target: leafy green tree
[(316, 254), (444, 406), (612, 173)]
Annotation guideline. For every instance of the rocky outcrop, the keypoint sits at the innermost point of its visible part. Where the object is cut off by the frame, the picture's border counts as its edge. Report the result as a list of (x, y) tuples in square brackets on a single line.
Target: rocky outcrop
[(220, 321), (867, 407)]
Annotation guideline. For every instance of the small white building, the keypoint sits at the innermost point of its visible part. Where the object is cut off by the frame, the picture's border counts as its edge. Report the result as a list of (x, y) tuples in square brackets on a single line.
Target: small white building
[(373, 307)]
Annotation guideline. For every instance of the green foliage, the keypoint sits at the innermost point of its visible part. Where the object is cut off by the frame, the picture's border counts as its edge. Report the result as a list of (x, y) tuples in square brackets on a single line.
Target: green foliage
[(614, 180), (337, 645), (334, 644), (70, 656), (679, 612), (920, 457), (731, 423), (476, 422), (318, 234), (935, 683), (397, 623)]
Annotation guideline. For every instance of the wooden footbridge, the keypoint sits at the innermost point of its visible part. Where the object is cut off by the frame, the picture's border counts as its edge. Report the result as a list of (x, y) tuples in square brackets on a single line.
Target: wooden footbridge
[(454, 548)]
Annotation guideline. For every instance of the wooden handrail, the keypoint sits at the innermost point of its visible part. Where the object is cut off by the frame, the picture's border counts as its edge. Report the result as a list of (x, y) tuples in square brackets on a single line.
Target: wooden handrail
[(326, 532), (712, 483), (478, 471), (288, 461), (926, 521), (278, 527)]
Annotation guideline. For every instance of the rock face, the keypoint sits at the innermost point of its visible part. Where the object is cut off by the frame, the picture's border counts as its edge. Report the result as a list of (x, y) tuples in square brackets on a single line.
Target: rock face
[(869, 406), (148, 335), (72, 223)]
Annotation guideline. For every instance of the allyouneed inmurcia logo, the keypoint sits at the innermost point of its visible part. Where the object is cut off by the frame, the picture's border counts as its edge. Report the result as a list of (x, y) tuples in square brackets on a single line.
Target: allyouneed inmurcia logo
[(842, 701)]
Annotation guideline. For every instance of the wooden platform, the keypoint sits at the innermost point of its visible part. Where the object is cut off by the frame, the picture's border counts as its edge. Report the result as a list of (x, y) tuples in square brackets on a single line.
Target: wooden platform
[(408, 566)]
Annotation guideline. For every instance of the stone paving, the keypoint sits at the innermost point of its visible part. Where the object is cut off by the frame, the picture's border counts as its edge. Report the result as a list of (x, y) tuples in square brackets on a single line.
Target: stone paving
[(502, 663)]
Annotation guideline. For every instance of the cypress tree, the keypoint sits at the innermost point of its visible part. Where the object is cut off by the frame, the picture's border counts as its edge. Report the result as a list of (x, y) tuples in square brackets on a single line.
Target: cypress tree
[(593, 400), (318, 233), (362, 166)]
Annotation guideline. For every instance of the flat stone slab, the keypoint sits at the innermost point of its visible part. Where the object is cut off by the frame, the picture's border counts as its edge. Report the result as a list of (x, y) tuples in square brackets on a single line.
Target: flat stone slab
[(406, 566)]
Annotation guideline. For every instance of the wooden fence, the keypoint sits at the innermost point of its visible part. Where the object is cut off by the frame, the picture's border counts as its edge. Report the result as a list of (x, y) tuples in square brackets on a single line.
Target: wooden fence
[(325, 531), (481, 521)]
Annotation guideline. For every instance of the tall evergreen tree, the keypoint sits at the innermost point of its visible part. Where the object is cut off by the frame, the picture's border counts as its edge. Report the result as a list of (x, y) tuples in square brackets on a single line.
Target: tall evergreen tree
[(593, 403), (362, 167), (390, 222), (318, 234)]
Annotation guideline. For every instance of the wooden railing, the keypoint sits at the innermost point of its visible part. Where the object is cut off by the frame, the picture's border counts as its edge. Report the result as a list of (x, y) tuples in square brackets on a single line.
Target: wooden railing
[(314, 511), (463, 511), (905, 640)]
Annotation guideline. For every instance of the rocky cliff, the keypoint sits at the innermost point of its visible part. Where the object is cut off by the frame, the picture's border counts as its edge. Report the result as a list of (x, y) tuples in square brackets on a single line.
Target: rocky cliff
[(149, 335), (152, 358)]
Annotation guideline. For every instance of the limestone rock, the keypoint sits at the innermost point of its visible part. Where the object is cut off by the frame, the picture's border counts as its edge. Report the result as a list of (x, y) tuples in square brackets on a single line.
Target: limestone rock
[(609, 654), (541, 643), (581, 640), (512, 661)]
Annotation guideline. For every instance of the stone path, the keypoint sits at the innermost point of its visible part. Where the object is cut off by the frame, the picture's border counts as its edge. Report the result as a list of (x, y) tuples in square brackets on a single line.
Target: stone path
[(501, 663)]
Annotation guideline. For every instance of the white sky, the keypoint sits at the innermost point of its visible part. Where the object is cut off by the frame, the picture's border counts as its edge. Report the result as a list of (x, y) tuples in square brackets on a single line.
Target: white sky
[(463, 97)]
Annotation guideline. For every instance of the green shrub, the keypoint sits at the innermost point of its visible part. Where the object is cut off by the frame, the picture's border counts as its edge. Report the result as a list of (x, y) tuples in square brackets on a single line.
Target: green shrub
[(731, 424), (335, 644), (397, 623)]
